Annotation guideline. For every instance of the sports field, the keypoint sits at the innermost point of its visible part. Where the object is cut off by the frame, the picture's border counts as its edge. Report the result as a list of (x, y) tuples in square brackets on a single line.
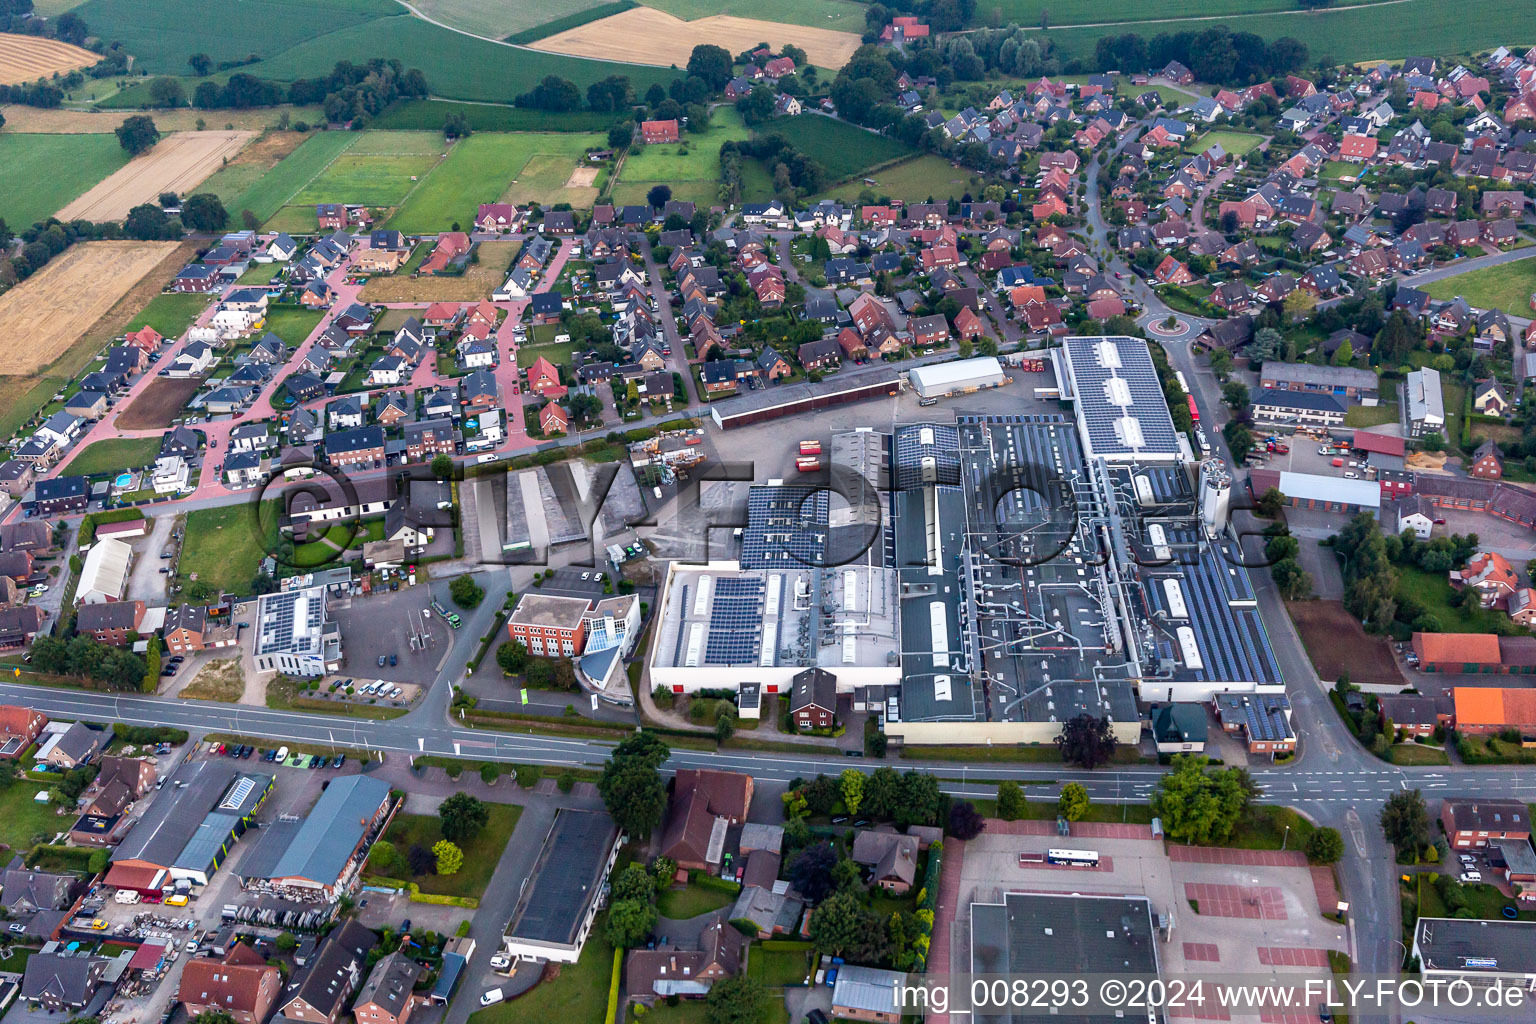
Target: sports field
[(482, 169), (1354, 32), (378, 169), (921, 178), (45, 172), (44, 315), (28, 58), (655, 37), (178, 163), (1507, 286)]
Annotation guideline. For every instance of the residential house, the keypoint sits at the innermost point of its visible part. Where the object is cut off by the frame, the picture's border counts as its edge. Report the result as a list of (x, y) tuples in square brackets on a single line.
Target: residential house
[(115, 623), (891, 859), (704, 805), (240, 983)]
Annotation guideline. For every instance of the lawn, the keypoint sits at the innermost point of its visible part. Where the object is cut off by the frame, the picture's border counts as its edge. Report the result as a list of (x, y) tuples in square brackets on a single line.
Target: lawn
[(170, 314), (844, 149), (1371, 415), (775, 968), (1352, 33), (113, 454), (1417, 753), (1432, 592), (691, 901), (44, 173), (480, 853), (429, 115), (379, 169), (1236, 143), (918, 179), (1270, 828), (578, 996), (271, 191), (24, 821), (695, 158), (224, 546), (1508, 286), (293, 323), (481, 169)]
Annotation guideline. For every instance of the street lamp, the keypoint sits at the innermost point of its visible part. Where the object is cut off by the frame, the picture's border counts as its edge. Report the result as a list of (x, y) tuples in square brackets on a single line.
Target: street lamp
[(1285, 838)]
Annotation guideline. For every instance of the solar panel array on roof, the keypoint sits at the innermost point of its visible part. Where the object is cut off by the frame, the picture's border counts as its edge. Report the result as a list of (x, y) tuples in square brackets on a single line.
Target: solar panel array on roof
[(289, 622), (1263, 714), (1233, 644), (735, 622), (1120, 403), (927, 453), (786, 526)]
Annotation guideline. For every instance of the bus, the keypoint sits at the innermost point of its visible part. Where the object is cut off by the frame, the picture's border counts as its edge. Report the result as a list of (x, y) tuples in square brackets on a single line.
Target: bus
[(1178, 375), (1194, 413), (1073, 858)]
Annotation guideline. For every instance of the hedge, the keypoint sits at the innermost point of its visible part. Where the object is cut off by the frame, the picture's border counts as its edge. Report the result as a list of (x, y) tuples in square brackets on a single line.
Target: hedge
[(707, 881), (613, 986), (789, 945), (142, 734), (79, 854), (468, 902), (116, 515)]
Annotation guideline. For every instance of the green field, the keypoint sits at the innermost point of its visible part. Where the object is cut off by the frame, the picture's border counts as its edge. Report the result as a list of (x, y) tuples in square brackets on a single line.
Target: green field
[(917, 179), (578, 996), (378, 169), (457, 66), (840, 15), (162, 34), (691, 901), (480, 853), (1508, 286), (499, 20), (23, 820), (293, 323), (114, 454), (429, 115), (845, 150), (171, 313), (1084, 12), (695, 159), (1377, 31), (480, 169), (44, 173), (223, 547), (269, 193), (1235, 143)]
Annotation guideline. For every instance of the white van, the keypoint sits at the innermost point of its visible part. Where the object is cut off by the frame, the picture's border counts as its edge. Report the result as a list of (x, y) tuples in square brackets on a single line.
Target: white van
[(493, 996), (129, 896), (282, 754)]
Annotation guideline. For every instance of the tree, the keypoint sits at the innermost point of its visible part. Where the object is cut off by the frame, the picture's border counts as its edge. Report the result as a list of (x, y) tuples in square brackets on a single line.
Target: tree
[(1073, 802), (466, 593), (1344, 354), (420, 860), (621, 134), (725, 727), (552, 93), (167, 92), (148, 223), (1011, 804), (204, 212), (843, 926), (286, 942), (201, 64), (736, 999), (462, 817), (811, 871), (382, 856), (1325, 846), (249, 220), (756, 106), (921, 802), (206, 1017), (138, 134), (882, 792), (631, 785), (634, 883), (658, 196), (512, 656), (1086, 741), (1235, 394), (1405, 820), (712, 64), (449, 857), (1270, 503), (630, 921), (851, 785), (457, 126), (1200, 806), (539, 674), (965, 822)]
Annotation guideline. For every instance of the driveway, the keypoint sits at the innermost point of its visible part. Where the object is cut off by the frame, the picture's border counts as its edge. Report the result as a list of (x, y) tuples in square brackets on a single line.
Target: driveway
[(146, 582)]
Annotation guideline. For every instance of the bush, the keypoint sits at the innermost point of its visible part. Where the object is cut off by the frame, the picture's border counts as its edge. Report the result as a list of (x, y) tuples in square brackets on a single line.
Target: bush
[(466, 593), (488, 773)]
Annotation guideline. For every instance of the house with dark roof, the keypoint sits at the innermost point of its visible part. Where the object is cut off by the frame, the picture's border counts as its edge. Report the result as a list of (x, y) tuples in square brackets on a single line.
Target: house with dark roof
[(670, 973), (26, 892), (813, 699), (387, 995), (321, 991), (704, 805), (890, 858), (240, 983)]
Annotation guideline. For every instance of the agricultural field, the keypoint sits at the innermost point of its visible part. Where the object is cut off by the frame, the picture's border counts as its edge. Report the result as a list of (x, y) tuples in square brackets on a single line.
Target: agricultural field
[(839, 15), (44, 173), (158, 404), (378, 169), (170, 314), (498, 19), (655, 37), (76, 122), (255, 162), (920, 178), (1086, 12), (28, 58), (178, 163), (1236, 143), (481, 168), (429, 115), (1508, 286), (845, 150), (1353, 33), (695, 159), (273, 190), (477, 281), (54, 307)]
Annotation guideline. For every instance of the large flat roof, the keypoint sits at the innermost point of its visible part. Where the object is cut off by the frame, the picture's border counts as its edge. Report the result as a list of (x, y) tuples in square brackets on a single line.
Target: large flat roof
[(565, 878), (1446, 944), (1121, 410), (317, 849)]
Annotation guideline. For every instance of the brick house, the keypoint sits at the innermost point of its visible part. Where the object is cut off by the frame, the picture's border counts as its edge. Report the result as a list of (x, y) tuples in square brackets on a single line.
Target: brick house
[(654, 132), (550, 626), (184, 627), (703, 801), (387, 996), (813, 699), (241, 984), (1486, 462), (553, 419), (19, 727), (928, 331), (1472, 823), (115, 623), (1263, 720)]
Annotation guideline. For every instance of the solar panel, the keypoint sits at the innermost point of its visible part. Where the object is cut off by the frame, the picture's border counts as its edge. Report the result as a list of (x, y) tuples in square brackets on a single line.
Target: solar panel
[(735, 622), (237, 794), (1115, 380), (786, 525)]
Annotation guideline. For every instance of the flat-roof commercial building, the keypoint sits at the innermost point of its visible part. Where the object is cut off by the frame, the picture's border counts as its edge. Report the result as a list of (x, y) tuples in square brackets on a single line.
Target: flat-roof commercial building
[(554, 914), (793, 399), (1307, 409), (1347, 383), (1473, 950), (320, 856), (1312, 490), (1063, 934), (295, 634), (1426, 402), (190, 828), (1122, 415)]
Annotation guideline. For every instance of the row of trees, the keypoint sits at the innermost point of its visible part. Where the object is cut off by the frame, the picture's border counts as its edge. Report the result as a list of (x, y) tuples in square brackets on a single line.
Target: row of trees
[(351, 92), (85, 658), (1216, 54)]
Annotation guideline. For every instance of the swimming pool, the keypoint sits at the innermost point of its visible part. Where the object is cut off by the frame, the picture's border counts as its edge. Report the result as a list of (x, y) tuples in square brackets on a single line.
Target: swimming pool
[(124, 479)]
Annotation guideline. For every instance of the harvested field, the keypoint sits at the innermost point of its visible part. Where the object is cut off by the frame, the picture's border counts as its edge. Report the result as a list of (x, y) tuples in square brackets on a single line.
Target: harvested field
[(648, 36), (28, 58), (479, 280), (179, 163), (158, 404), (84, 122), (582, 177), (1337, 643), (55, 306)]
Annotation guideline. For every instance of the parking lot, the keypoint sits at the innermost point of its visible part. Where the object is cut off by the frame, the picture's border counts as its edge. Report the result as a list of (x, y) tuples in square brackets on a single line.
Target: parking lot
[(384, 624)]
